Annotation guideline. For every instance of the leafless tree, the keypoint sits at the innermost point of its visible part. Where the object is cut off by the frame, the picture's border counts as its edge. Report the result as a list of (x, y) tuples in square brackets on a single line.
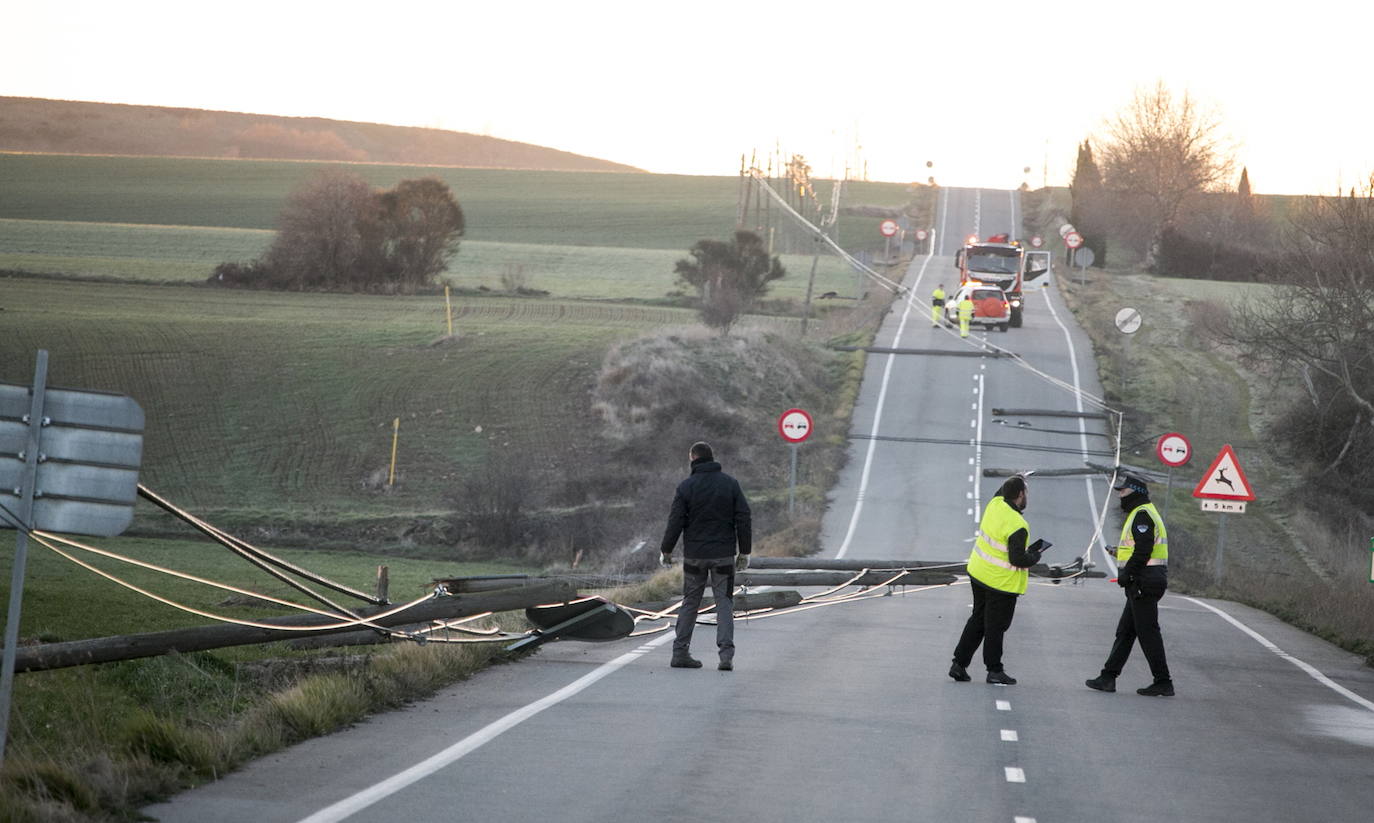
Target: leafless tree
[(325, 233), (1161, 150), (422, 223), (1317, 330)]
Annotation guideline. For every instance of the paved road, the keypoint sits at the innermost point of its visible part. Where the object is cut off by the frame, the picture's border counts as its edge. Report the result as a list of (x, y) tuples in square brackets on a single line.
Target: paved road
[(844, 713)]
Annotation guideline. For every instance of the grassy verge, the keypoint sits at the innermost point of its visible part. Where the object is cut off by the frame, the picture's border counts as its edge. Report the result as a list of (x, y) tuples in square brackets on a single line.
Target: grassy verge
[(1172, 375)]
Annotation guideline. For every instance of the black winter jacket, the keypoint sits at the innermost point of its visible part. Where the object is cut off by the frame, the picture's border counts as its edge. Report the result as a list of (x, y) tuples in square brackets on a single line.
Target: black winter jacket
[(710, 514)]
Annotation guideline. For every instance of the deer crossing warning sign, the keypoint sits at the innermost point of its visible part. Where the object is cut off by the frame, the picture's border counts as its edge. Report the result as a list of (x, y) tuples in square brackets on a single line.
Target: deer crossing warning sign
[(1224, 487)]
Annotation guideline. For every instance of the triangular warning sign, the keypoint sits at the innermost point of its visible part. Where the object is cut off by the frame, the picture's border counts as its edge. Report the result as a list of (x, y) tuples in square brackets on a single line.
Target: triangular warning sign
[(1224, 480)]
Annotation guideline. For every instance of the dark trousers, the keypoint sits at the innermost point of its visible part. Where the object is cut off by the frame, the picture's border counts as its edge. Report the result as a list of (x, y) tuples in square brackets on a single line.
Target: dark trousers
[(1140, 619), (992, 613), (695, 574)]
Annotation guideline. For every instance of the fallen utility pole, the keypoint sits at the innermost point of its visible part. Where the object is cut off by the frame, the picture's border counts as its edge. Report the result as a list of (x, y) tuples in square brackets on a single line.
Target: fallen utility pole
[(820, 563), (743, 602), (200, 638), (783, 577)]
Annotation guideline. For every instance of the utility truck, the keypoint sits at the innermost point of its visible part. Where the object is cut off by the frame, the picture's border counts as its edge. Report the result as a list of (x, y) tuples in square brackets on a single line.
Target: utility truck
[(1000, 263)]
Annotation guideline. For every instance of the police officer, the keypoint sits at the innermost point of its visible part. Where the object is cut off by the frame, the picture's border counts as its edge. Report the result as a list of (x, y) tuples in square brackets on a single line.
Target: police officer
[(965, 314), (937, 304), (1142, 557), (997, 571), (712, 516)]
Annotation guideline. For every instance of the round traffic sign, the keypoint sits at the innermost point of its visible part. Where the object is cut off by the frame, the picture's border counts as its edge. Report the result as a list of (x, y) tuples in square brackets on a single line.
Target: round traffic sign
[(794, 425), (921, 234), (1128, 320), (1083, 257), (1037, 241), (1073, 239), (887, 228), (1173, 449)]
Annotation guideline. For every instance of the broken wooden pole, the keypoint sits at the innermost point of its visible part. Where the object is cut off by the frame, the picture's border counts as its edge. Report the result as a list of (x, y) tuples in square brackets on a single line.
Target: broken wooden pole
[(743, 602), (783, 577), (200, 638)]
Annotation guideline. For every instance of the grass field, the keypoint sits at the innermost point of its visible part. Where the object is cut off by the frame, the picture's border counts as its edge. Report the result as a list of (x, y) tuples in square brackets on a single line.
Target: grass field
[(651, 211), (189, 254)]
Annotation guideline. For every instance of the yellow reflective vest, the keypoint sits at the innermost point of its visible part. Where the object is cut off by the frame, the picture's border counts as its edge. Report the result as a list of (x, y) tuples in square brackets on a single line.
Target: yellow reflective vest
[(966, 309), (937, 297), (1159, 556), (989, 563)]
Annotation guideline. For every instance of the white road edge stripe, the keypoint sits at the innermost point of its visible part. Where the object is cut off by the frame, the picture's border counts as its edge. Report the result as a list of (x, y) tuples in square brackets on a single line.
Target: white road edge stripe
[(1306, 667), (351, 805), (878, 413)]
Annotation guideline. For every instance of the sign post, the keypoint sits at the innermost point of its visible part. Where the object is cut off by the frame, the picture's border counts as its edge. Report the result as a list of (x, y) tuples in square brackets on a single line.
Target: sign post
[(68, 463), (1223, 489), (888, 229), (795, 426), (1173, 450)]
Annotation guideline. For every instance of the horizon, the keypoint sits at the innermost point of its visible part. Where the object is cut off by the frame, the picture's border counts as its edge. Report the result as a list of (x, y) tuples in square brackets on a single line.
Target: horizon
[(886, 90)]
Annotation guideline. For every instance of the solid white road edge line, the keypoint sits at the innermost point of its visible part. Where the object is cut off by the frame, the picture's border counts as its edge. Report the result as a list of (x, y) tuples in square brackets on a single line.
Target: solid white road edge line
[(878, 412), (380, 791), (1306, 667)]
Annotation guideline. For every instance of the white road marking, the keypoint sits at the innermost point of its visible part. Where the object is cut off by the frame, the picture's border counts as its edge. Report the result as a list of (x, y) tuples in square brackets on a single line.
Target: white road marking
[(1003, 705), (1019, 819), (1015, 775), (361, 800), (978, 449), (1311, 670), (878, 413), (1009, 735)]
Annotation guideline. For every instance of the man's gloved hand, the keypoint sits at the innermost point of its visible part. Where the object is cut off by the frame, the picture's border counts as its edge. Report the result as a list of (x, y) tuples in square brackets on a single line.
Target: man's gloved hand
[(665, 560), (1125, 580), (741, 562)]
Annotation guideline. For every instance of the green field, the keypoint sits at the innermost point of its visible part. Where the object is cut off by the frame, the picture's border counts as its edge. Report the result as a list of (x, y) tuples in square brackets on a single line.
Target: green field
[(651, 211), (189, 254)]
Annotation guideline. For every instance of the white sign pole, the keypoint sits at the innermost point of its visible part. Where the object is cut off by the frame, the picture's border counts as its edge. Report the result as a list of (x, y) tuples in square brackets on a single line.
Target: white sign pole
[(792, 486)]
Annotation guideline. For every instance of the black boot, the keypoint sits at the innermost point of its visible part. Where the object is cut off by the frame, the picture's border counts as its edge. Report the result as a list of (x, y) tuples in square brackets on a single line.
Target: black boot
[(959, 673), (1162, 688), (685, 662), (1001, 679), (1102, 683)]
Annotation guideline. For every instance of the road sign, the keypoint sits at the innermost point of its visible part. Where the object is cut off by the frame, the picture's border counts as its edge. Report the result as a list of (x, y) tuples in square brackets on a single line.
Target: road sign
[(1073, 239), (1224, 506), (1083, 257), (794, 425), (921, 234), (89, 445), (1037, 241), (1128, 321), (888, 228), (1225, 480), (1173, 450)]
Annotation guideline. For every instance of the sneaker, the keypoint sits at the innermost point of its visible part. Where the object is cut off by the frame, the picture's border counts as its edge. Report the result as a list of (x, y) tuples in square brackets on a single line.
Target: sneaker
[(685, 663), (1162, 689), (1102, 683), (726, 665), (959, 673), (1001, 679)]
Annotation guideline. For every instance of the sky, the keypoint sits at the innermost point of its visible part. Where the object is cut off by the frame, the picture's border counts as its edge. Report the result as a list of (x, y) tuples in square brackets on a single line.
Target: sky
[(689, 87)]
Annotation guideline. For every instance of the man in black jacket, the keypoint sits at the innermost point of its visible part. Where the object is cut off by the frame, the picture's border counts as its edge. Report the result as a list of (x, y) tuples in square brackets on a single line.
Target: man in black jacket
[(711, 515)]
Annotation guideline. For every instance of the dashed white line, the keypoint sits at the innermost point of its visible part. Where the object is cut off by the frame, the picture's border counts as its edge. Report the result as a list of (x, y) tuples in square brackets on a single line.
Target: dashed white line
[(1009, 735), (1003, 705), (1020, 819), (1015, 775)]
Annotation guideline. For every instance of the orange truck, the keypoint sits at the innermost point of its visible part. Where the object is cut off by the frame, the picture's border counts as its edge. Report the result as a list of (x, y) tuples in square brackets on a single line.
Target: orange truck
[(1003, 264)]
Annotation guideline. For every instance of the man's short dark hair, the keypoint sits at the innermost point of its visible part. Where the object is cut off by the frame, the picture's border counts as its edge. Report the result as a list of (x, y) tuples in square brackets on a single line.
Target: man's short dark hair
[(1012, 488), (701, 450)]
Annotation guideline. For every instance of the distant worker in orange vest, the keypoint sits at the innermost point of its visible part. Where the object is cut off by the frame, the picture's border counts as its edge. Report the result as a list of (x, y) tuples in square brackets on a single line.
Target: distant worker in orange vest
[(965, 315), (937, 304)]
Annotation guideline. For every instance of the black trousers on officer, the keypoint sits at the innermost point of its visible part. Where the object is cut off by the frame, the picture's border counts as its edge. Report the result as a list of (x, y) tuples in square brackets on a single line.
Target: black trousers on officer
[(992, 613), (1139, 620), (695, 574)]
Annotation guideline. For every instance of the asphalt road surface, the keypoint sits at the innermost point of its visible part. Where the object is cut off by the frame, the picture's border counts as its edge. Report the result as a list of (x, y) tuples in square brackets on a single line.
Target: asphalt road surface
[(844, 712)]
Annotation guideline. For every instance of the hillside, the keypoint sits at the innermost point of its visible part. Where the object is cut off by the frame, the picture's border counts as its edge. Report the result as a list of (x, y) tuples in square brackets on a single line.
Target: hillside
[(68, 127)]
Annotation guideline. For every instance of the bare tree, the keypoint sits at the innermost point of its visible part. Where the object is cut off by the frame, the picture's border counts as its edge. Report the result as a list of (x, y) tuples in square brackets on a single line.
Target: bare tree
[(1317, 330), (729, 276), (326, 233), (422, 223), (1161, 150)]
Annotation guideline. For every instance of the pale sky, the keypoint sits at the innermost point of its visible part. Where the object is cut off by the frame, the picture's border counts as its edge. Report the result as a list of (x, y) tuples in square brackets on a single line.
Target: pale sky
[(686, 88)]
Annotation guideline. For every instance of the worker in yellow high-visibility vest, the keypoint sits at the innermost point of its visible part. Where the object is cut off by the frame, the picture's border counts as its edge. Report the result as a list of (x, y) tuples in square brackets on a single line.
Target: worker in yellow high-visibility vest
[(1142, 558), (937, 305), (997, 574), (965, 315)]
